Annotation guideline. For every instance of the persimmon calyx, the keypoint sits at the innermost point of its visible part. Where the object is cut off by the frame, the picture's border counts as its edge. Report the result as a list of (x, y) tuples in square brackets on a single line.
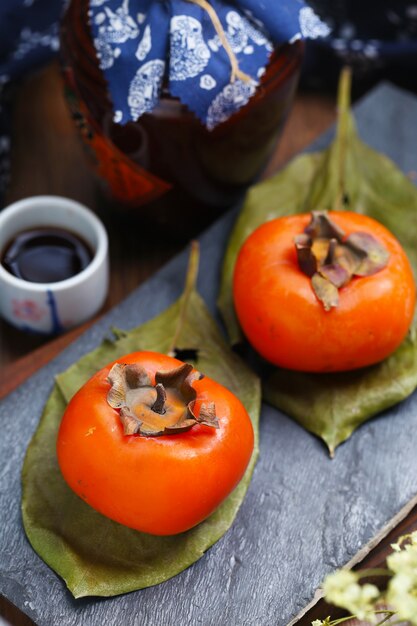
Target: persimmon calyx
[(331, 259), (164, 408)]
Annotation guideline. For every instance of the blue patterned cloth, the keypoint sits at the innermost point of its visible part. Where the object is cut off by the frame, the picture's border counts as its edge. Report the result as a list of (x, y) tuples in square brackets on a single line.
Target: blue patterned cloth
[(141, 44), (28, 39), (378, 37)]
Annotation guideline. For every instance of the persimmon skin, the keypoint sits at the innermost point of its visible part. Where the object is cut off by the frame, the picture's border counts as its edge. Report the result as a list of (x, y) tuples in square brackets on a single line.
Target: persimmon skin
[(159, 485), (288, 326)]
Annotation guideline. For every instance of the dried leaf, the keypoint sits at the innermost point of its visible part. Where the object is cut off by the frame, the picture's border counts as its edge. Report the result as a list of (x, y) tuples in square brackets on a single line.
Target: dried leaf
[(321, 249), (305, 256), (330, 260), (322, 227), (333, 405), (136, 376), (94, 555), (374, 255), (131, 424), (336, 274), (325, 291), (285, 193), (179, 379), (154, 410), (207, 414), (117, 392), (347, 259)]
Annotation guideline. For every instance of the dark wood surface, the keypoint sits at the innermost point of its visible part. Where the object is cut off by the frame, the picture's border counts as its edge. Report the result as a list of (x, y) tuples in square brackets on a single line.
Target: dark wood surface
[(47, 158)]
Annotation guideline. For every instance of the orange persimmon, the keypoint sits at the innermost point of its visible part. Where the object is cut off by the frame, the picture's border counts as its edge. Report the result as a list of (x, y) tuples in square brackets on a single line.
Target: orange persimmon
[(162, 484), (286, 323)]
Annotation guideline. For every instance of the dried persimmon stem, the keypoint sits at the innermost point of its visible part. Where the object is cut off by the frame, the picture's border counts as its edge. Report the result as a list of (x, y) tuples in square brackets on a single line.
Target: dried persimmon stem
[(165, 407), (331, 260), (161, 396)]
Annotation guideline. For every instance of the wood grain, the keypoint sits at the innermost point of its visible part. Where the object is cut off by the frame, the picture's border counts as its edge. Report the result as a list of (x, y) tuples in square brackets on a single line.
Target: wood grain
[(47, 158)]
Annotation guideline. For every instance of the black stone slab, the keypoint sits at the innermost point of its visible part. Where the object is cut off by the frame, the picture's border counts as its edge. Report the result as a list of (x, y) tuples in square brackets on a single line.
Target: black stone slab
[(304, 515)]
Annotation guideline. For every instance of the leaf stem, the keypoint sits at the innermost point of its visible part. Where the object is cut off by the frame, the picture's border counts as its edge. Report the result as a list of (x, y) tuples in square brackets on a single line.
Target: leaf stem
[(341, 620), (190, 283), (388, 616), (387, 612), (343, 124), (343, 93), (376, 571)]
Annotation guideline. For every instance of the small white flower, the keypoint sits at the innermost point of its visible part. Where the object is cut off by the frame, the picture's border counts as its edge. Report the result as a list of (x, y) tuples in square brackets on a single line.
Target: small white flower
[(118, 116), (248, 50), (207, 82), (319, 622), (402, 588), (404, 561), (342, 589), (339, 581), (396, 547), (401, 595)]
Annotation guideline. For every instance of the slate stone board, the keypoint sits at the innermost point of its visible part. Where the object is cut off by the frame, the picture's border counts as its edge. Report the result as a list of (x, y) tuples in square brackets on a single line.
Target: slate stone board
[(304, 515)]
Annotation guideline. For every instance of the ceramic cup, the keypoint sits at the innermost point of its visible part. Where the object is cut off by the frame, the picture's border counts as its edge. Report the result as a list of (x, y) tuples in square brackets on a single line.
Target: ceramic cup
[(51, 308)]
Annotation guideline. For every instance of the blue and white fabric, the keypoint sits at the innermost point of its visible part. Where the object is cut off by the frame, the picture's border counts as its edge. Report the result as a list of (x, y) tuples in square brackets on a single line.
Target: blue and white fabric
[(378, 38), (146, 45), (29, 37)]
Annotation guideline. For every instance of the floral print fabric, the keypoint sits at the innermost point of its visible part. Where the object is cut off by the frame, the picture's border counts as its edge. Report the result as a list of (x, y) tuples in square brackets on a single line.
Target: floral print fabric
[(143, 44), (378, 38)]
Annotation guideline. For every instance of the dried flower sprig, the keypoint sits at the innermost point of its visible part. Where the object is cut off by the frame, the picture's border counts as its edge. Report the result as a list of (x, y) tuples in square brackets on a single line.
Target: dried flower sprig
[(344, 589)]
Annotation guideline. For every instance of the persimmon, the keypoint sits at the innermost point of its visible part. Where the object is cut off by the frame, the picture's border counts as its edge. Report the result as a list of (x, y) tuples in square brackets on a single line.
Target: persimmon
[(152, 444), (323, 294)]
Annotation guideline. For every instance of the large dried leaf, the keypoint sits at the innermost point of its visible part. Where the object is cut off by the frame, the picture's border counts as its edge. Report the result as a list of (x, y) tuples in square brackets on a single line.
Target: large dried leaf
[(284, 193), (94, 555), (347, 175)]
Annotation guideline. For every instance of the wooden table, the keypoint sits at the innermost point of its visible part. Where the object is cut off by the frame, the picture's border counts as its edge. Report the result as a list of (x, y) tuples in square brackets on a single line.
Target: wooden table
[(47, 158)]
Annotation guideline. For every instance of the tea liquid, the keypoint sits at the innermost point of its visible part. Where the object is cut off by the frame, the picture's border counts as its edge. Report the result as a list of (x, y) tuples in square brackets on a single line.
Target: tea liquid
[(46, 255)]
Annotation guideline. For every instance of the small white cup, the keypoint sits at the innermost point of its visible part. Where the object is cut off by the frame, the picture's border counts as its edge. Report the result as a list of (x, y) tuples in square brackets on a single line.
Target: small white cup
[(51, 308)]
